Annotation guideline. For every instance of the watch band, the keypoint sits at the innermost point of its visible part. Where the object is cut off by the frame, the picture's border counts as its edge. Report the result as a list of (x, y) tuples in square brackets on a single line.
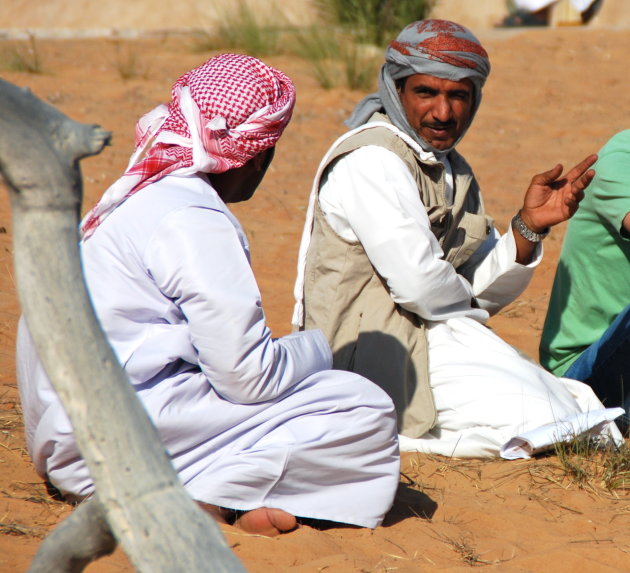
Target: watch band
[(525, 232)]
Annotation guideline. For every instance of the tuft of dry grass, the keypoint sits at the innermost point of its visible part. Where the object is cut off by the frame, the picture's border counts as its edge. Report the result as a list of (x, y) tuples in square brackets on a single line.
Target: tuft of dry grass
[(36, 492), (601, 469), (586, 463), (374, 21), (616, 468), (127, 61), (337, 59), (464, 547), (23, 56), (9, 422), (241, 28), (10, 414), (12, 528), (336, 54)]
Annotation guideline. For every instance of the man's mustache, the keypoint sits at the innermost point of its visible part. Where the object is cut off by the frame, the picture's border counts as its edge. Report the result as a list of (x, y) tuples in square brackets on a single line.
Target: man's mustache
[(439, 124)]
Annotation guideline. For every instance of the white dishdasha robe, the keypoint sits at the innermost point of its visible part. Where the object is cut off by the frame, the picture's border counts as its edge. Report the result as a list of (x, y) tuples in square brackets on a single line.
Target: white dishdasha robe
[(249, 421)]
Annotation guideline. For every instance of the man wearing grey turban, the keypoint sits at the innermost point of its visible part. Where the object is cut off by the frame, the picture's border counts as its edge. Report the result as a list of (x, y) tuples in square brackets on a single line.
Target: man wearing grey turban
[(401, 267), (420, 49)]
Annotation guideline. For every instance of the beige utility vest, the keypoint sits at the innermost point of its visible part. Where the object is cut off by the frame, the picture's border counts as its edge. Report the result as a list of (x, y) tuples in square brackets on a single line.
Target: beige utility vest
[(346, 298)]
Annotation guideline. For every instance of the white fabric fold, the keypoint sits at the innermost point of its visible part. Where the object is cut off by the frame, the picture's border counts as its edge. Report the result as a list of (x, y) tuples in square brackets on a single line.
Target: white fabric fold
[(595, 422)]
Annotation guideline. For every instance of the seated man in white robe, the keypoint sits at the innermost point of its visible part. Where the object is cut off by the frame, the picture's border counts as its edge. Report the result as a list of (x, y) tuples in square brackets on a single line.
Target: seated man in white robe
[(260, 430), (400, 266)]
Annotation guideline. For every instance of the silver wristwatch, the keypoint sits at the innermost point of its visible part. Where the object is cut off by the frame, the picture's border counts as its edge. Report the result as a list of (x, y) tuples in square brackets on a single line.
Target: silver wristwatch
[(525, 232)]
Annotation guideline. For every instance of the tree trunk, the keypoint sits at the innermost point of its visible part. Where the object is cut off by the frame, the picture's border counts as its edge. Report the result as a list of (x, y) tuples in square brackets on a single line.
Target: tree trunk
[(158, 525)]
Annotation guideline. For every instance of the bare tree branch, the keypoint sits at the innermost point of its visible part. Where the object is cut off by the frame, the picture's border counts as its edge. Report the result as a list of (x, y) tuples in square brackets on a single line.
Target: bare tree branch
[(76, 542), (158, 525)]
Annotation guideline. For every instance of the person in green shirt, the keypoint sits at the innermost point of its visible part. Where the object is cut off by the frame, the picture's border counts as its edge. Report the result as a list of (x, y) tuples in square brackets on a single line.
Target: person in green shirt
[(587, 329)]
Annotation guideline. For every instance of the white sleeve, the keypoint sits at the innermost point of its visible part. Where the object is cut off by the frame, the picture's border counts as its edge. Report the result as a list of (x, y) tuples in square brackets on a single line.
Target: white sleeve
[(496, 277), (372, 191), (197, 260)]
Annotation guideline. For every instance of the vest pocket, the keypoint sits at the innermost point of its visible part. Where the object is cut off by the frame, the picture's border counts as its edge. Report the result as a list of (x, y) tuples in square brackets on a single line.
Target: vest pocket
[(472, 230)]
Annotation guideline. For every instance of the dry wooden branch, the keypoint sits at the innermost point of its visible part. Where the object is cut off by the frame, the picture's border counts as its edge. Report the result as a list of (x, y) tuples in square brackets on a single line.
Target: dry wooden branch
[(158, 525), (77, 541)]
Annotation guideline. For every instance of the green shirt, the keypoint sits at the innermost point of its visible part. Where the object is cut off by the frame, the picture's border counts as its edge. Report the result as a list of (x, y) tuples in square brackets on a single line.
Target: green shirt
[(592, 282)]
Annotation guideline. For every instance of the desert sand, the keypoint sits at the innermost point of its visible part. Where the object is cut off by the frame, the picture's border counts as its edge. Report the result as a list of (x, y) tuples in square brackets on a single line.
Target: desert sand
[(554, 95)]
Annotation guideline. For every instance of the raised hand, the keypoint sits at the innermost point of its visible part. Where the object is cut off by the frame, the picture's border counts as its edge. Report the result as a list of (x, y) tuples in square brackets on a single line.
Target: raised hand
[(552, 198)]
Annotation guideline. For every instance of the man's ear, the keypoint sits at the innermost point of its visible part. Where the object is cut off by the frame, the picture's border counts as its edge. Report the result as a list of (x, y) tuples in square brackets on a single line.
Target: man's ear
[(259, 160), (263, 160)]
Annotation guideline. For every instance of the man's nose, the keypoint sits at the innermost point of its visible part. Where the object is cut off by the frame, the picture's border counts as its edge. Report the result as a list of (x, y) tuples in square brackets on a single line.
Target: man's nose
[(442, 109)]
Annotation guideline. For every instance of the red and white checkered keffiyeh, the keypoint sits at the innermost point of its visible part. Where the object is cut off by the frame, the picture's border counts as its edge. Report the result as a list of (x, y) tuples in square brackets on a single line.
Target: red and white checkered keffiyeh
[(221, 115)]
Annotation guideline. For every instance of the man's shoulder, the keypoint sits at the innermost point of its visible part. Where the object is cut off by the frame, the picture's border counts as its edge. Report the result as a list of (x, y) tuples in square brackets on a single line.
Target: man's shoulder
[(174, 192), (157, 203), (375, 134), (372, 133), (621, 137), (618, 143)]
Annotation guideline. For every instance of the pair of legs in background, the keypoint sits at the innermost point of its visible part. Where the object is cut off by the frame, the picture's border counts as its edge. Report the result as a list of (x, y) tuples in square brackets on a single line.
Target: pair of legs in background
[(605, 366)]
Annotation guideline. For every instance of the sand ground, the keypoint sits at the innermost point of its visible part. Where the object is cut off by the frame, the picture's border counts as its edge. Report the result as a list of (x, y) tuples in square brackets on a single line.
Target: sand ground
[(553, 96)]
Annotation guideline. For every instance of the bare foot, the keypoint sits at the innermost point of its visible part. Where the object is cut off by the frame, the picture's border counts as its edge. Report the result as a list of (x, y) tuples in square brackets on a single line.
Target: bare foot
[(266, 521)]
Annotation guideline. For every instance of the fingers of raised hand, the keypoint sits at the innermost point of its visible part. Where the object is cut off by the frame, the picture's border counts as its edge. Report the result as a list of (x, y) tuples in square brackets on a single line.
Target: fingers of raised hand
[(572, 200), (579, 177), (583, 181), (547, 177), (582, 169)]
